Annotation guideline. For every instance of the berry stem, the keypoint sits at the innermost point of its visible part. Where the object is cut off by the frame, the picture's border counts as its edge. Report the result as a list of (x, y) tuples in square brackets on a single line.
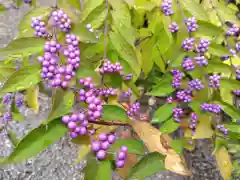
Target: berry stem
[(108, 123)]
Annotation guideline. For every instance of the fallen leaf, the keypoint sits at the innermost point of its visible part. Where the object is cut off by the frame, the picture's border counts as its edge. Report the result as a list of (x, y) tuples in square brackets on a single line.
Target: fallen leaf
[(155, 141), (224, 163)]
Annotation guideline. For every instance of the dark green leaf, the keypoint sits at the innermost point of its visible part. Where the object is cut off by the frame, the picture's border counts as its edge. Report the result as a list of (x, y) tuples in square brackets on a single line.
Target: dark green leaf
[(25, 30), (97, 170), (147, 166), (177, 145), (62, 104), (114, 113), (208, 29), (113, 80), (193, 7), (24, 46), (74, 3), (134, 146), (230, 110), (169, 126), (84, 34), (23, 78), (163, 113), (89, 6), (218, 50), (36, 141)]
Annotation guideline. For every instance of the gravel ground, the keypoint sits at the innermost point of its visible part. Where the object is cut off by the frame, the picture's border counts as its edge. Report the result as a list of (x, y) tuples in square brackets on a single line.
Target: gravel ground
[(57, 161)]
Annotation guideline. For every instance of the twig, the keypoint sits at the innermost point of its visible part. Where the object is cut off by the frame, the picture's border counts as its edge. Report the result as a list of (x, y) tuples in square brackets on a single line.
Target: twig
[(105, 33), (108, 123), (82, 4)]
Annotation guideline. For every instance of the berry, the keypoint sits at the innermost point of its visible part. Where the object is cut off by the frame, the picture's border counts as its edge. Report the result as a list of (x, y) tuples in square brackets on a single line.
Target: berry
[(191, 24), (222, 129), (101, 154), (170, 99), (134, 108), (173, 27), (195, 84), (62, 20), (166, 7), (120, 163), (177, 77), (188, 64), (184, 96), (124, 149), (102, 137), (188, 44), (224, 58), (105, 145), (127, 77), (233, 31), (128, 93), (203, 46), (233, 52), (111, 138), (214, 81), (7, 116), (214, 108), (121, 155), (39, 26), (201, 60), (109, 67), (238, 74), (19, 102), (7, 98), (236, 92), (177, 112), (96, 146), (28, 1)]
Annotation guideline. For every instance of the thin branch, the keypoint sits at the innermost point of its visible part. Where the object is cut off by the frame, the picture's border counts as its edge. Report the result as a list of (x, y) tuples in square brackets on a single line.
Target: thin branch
[(108, 123), (105, 33), (82, 4)]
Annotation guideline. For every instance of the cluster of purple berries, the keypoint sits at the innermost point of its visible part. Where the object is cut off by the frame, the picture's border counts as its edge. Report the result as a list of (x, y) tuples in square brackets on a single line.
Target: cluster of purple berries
[(77, 123), (7, 99), (203, 46), (19, 102), (62, 20), (72, 51), (87, 82), (191, 24), (173, 27), (194, 119), (222, 129), (201, 60), (133, 109), (7, 116), (188, 64), (188, 44), (167, 7), (233, 31), (101, 145), (214, 108), (184, 95), (177, 77), (195, 85), (236, 92), (109, 67), (170, 100), (121, 157), (108, 92), (214, 81), (177, 112), (39, 26), (128, 93)]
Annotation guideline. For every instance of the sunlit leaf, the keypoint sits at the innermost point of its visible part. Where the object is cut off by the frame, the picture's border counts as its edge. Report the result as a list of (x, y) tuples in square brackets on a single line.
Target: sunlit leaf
[(32, 98), (23, 78), (218, 50), (36, 141), (134, 146), (85, 147), (89, 6), (224, 163), (193, 7), (17, 116), (163, 113), (177, 145), (62, 104), (13, 137), (169, 126), (208, 29), (215, 67), (204, 129), (74, 3), (147, 166), (114, 113), (24, 46)]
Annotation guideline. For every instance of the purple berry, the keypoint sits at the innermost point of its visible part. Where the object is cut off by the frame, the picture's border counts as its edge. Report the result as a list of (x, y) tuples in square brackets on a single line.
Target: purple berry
[(173, 27), (102, 137), (166, 7), (120, 164), (101, 154), (111, 138), (96, 146), (191, 24)]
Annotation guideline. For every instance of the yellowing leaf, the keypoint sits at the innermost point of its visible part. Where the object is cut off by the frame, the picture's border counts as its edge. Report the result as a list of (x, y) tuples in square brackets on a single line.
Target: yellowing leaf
[(224, 163), (204, 129), (155, 141), (32, 98)]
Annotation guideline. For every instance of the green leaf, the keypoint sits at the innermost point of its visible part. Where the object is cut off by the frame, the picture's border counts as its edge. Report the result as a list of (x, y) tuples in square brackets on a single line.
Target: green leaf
[(62, 102), (232, 128), (226, 88), (2, 8), (23, 78), (163, 113), (13, 137), (97, 16), (195, 9), (36, 141), (208, 29), (114, 113), (218, 50), (17, 116), (6, 70), (177, 145), (134, 146), (125, 50), (147, 166), (113, 80), (89, 6), (84, 34), (74, 3), (230, 110), (25, 30), (31, 97), (162, 88), (97, 170), (169, 126), (24, 46), (19, 3), (218, 67)]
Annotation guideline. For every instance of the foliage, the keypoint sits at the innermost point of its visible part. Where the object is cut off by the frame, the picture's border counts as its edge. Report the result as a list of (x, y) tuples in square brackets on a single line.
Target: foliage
[(184, 52)]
